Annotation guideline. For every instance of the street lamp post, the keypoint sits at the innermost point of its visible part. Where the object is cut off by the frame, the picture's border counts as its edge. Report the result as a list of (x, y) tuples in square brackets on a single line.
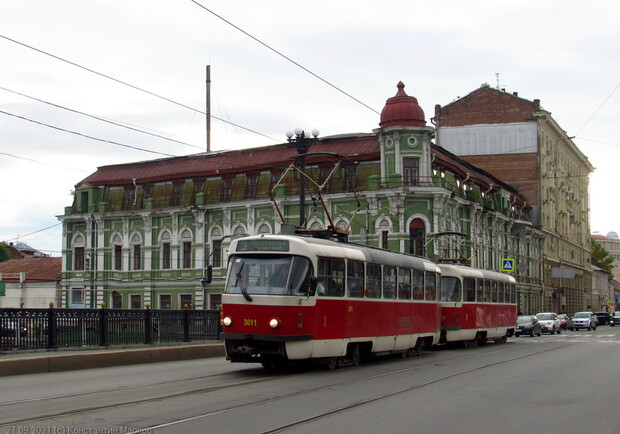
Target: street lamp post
[(302, 143)]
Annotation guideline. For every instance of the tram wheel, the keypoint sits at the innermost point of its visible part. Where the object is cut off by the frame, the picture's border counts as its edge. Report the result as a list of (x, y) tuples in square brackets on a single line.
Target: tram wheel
[(418, 350), (356, 355), (332, 363)]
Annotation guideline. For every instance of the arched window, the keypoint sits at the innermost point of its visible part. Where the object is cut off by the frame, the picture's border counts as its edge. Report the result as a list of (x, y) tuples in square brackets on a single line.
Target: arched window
[(165, 250), (383, 229), (79, 244), (216, 240), (315, 225), (136, 245), (186, 242), (239, 231), (117, 246), (417, 237), (264, 229)]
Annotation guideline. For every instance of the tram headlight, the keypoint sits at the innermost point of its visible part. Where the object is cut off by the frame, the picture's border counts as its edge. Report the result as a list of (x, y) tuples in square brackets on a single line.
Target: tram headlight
[(274, 323), (227, 321)]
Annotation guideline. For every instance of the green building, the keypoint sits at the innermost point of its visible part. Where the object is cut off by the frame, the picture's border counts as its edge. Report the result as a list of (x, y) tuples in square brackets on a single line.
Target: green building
[(143, 233)]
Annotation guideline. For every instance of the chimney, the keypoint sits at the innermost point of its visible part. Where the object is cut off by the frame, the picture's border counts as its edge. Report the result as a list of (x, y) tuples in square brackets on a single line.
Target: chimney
[(536, 104)]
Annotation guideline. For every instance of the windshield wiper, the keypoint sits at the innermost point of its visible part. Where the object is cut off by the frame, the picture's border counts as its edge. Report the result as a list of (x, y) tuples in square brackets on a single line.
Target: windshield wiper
[(239, 283)]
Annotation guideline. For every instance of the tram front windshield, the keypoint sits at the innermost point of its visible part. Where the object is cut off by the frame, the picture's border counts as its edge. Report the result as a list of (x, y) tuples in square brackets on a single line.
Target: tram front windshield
[(269, 275)]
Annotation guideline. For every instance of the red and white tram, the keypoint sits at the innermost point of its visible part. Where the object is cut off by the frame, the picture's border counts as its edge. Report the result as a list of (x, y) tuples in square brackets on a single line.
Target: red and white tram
[(476, 305), (291, 298)]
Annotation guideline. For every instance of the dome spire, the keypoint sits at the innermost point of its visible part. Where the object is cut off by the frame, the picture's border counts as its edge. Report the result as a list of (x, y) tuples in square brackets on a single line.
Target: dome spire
[(402, 110)]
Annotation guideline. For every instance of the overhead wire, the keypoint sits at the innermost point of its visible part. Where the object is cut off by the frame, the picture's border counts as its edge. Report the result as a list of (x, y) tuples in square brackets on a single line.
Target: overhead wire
[(124, 83), (118, 124), (597, 110), (85, 135), (19, 157), (284, 56)]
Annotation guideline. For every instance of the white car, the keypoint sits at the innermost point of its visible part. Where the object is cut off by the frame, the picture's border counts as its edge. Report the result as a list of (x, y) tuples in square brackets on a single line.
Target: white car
[(582, 320), (549, 322)]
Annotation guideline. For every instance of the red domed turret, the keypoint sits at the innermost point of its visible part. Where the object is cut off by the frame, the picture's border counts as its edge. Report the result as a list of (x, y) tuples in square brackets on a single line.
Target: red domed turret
[(402, 110)]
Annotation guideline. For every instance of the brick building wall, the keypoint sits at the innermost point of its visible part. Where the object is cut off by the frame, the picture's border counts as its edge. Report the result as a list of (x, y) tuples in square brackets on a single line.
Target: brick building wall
[(486, 106), (519, 170)]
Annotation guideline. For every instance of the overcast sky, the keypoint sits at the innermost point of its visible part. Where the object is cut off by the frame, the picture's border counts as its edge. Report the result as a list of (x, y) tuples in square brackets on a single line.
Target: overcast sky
[(565, 53)]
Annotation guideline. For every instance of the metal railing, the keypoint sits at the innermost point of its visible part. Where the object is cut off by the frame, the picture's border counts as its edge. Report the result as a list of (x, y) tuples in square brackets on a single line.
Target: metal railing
[(22, 329)]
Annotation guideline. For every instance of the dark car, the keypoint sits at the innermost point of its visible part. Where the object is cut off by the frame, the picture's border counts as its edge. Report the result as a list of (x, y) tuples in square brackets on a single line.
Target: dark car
[(615, 319), (527, 325), (603, 318)]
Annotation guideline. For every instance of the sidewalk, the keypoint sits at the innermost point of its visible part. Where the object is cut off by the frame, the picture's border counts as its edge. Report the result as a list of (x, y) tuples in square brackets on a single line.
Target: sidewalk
[(19, 363)]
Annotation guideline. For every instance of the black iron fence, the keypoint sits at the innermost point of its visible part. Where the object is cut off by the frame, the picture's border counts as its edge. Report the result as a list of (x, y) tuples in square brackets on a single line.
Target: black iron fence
[(64, 328)]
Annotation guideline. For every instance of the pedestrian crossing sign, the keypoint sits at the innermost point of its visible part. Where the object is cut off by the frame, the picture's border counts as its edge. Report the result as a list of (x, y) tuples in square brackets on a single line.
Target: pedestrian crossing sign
[(508, 265)]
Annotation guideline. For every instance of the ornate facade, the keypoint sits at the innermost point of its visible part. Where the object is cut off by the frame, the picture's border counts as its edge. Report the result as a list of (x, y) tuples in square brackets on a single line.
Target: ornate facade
[(143, 233)]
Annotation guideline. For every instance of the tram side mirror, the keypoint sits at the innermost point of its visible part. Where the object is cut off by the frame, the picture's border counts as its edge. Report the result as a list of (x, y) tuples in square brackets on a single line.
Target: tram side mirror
[(312, 286)]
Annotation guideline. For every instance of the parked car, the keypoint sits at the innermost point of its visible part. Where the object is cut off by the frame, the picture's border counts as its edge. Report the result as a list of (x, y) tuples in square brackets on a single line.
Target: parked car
[(615, 319), (549, 322), (603, 317), (564, 319), (583, 320), (527, 325)]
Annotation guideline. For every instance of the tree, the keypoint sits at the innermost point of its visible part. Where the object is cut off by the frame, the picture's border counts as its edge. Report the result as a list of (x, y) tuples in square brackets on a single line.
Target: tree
[(4, 252), (601, 258)]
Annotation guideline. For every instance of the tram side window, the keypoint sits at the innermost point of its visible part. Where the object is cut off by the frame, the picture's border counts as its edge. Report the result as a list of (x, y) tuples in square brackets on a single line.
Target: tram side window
[(418, 284), (500, 292), (331, 276), (513, 293), (480, 290), (373, 281), (355, 279), (487, 292), (430, 291), (493, 291), (404, 284), (389, 282), (469, 289), (450, 289)]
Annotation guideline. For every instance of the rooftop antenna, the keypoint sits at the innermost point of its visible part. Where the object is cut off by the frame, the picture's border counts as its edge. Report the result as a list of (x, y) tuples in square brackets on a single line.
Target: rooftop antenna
[(497, 80)]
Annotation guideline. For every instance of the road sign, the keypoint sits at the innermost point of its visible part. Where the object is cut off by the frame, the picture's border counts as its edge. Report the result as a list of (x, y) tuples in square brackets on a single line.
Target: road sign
[(508, 265)]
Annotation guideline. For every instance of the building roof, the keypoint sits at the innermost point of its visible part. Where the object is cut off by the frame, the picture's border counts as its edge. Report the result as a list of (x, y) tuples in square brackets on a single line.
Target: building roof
[(21, 250), (598, 237), (36, 269), (358, 147)]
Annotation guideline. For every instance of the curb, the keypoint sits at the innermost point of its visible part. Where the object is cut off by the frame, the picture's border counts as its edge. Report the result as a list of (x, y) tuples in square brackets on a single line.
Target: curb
[(58, 362)]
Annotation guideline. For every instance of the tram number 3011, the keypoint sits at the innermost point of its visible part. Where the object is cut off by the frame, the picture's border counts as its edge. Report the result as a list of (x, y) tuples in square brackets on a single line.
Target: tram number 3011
[(250, 322)]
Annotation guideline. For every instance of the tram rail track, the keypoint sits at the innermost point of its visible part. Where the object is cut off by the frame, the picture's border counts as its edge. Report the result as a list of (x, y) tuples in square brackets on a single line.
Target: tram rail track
[(356, 404), (74, 404)]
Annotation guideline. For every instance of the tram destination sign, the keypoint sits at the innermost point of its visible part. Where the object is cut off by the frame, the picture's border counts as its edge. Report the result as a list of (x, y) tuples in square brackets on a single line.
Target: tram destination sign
[(263, 245)]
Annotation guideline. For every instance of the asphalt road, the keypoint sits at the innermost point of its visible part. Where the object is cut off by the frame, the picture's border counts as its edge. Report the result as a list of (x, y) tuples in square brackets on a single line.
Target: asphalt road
[(553, 384)]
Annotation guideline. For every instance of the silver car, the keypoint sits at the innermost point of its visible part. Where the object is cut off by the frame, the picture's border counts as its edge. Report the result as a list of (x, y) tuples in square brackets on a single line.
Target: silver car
[(582, 320), (549, 322)]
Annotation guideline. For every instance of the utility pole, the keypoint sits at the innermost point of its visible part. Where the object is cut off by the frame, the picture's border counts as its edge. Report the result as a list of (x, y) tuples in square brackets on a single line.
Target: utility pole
[(208, 110)]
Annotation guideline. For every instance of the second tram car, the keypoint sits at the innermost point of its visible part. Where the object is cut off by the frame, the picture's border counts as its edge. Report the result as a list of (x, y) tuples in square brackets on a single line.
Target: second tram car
[(476, 305), (291, 298)]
